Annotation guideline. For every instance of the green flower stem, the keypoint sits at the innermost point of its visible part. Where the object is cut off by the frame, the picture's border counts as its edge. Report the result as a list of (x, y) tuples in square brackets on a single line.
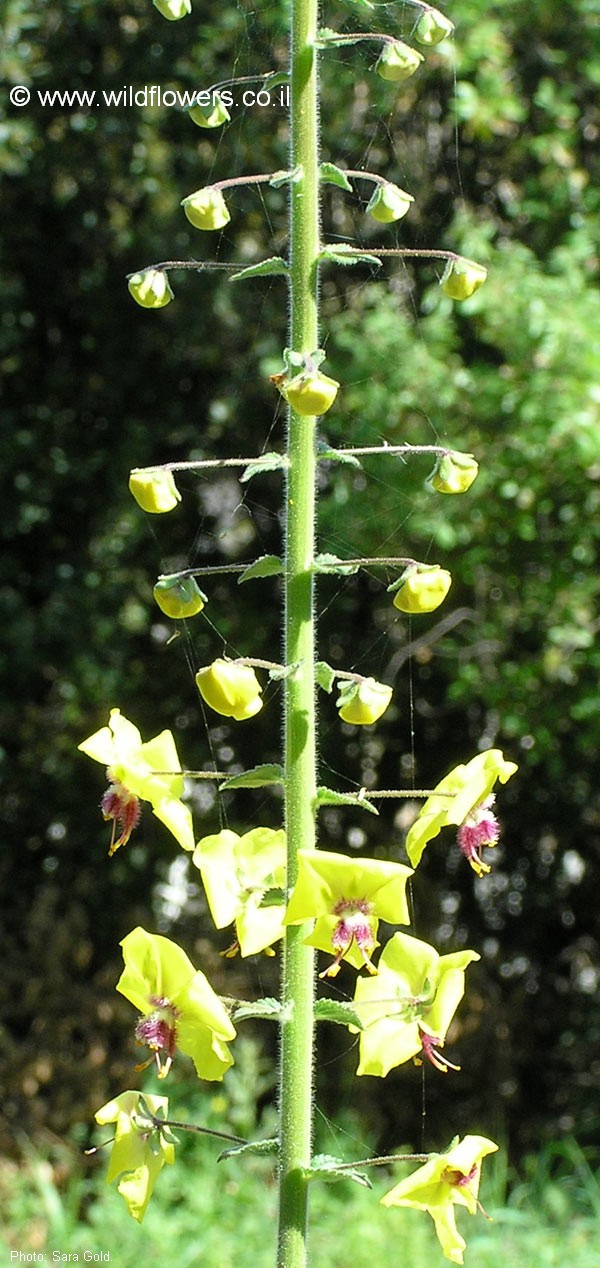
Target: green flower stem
[(298, 975)]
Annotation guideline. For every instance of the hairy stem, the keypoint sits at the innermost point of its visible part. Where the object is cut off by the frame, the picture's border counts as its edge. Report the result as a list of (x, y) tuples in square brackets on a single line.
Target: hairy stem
[(297, 1031)]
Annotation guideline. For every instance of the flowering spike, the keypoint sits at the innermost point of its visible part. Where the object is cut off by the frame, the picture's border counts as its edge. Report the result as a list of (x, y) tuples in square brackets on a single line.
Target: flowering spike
[(463, 791), (151, 288), (179, 1008), (407, 1009), (363, 703), (447, 1180), (154, 489), (347, 897), (237, 873), (140, 772), (140, 1150), (206, 209), (230, 688)]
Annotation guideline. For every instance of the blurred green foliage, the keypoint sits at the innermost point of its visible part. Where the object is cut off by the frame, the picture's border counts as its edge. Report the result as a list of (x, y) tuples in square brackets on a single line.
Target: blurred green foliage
[(497, 138)]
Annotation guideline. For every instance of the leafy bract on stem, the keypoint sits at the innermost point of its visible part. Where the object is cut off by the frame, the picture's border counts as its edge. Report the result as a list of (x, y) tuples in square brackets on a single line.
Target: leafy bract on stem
[(283, 887)]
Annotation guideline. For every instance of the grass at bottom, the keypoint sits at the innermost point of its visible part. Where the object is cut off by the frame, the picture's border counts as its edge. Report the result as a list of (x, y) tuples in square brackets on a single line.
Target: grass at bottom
[(221, 1215)]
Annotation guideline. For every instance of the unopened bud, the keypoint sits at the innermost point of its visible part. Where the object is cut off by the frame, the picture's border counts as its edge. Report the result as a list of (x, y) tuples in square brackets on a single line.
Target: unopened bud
[(231, 689), (206, 209), (363, 703), (389, 203), (173, 10), (151, 289), (309, 394), (461, 278), (398, 61), (211, 116), (433, 27), (453, 473), (179, 597), (154, 489), (424, 587)]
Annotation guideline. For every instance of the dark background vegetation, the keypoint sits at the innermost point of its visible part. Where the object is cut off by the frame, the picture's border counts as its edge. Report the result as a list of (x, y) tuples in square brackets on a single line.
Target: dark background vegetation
[(497, 138)]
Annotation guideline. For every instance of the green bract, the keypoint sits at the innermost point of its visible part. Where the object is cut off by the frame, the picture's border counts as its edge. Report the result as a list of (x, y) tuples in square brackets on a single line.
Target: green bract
[(433, 27), (237, 872), (179, 597), (151, 288), (446, 1181), (416, 991), (230, 689), (206, 209), (179, 1008), (389, 203), (424, 587), (139, 1153), (456, 796), (461, 278), (173, 10), (154, 489), (309, 394), (453, 473), (398, 61), (138, 768), (347, 897), (363, 703), (211, 115)]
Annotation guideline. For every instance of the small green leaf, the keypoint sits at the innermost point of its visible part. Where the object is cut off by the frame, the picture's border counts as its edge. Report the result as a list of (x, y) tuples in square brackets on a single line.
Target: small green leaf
[(278, 672), (331, 563), (328, 38), (266, 566), (329, 797), (273, 267), (345, 253), (258, 777), (327, 454), (266, 462), (273, 898), (277, 78), (268, 1007), (338, 1011), (332, 175), (270, 1146), (324, 1167), (324, 675)]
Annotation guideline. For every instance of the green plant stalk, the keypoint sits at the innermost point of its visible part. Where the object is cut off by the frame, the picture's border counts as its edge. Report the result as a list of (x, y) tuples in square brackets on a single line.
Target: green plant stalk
[(297, 1029)]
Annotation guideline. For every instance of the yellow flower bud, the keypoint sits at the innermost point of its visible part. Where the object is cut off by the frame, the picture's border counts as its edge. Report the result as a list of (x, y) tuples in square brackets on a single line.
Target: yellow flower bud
[(173, 10), (462, 278), (433, 27), (453, 473), (206, 209), (154, 489), (364, 702), (308, 394), (179, 597), (230, 689), (151, 289), (398, 61), (210, 116), (389, 203), (424, 587)]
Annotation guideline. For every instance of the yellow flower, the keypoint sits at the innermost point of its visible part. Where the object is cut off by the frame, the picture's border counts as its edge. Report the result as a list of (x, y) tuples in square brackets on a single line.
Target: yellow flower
[(206, 209), (139, 772), (154, 489), (231, 689), (151, 288), (423, 588), (446, 1181)]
